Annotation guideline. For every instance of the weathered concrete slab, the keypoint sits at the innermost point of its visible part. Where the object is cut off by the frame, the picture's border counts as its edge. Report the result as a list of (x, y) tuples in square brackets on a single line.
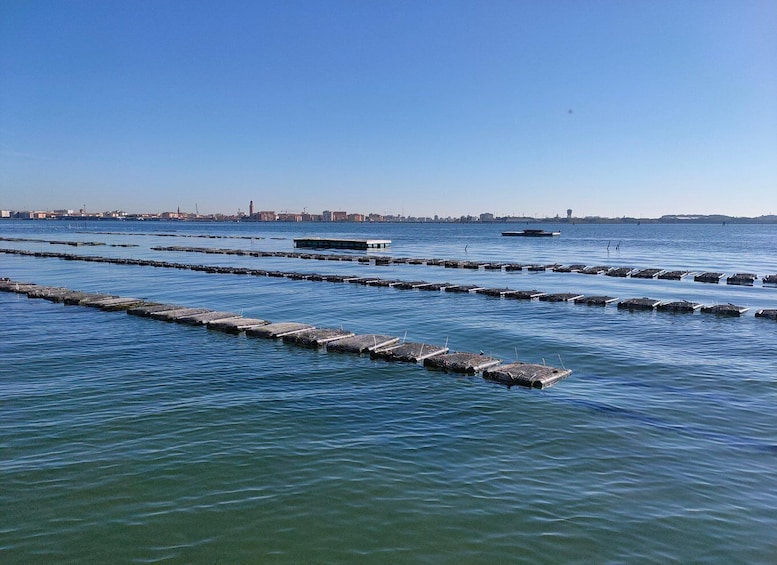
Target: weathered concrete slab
[(576, 268), (769, 280), (382, 282), (278, 329), (493, 266), (673, 275), (409, 352), (638, 304), (51, 293), (525, 294), (495, 292), (177, 314), (536, 268), (744, 279), (76, 298), (236, 325), (713, 278), (205, 317), (513, 267), (621, 272), (560, 297), (595, 300), (317, 337), (434, 286), (362, 343), (646, 273), (117, 304), (724, 309), (145, 310), (768, 313), (409, 285), (526, 374), (595, 270), (463, 288), (680, 306), (468, 363)]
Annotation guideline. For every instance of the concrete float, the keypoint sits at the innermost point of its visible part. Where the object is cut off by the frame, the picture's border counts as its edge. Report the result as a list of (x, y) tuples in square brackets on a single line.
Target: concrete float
[(236, 325), (595, 300), (673, 275), (526, 374), (316, 337), (204, 318), (278, 329), (713, 278), (569, 268), (331, 243), (724, 310), (113, 304), (679, 306), (409, 285), (621, 272), (467, 363), (362, 343), (646, 273), (494, 292), (510, 267), (177, 314), (408, 352), (525, 294), (768, 313), (595, 270), (463, 288), (769, 280), (638, 304), (560, 297), (149, 308), (744, 279)]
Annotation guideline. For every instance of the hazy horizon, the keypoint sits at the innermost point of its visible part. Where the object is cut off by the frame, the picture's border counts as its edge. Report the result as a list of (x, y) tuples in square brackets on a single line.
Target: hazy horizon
[(515, 108)]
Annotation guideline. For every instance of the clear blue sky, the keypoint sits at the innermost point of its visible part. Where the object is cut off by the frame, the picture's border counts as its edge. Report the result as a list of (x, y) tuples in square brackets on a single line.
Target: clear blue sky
[(635, 108)]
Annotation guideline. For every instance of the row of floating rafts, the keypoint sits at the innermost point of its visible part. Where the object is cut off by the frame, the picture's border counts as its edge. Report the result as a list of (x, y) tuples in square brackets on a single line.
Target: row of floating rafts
[(743, 279), (746, 279), (378, 346), (632, 304)]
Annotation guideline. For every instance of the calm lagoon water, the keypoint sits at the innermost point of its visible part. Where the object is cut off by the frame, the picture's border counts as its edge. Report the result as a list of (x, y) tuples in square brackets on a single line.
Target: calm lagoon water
[(129, 440)]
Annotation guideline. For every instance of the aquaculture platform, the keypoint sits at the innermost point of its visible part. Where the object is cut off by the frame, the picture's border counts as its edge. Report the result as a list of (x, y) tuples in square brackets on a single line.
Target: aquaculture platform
[(326, 243)]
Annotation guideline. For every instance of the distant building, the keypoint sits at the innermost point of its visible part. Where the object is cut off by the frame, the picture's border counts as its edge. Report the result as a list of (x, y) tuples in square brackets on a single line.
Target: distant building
[(289, 217), (569, 213), (487, 217), (251, 209), (5, 213), (339, 216), (266, 216), (355, 217)]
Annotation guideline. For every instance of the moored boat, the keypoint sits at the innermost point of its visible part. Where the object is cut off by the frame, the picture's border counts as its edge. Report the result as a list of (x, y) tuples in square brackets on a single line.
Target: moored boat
[(532, 233)]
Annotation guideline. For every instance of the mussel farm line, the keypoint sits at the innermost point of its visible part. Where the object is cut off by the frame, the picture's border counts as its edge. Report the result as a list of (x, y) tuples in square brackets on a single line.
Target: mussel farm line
[(632, 304), (378, 346), (710, 277)]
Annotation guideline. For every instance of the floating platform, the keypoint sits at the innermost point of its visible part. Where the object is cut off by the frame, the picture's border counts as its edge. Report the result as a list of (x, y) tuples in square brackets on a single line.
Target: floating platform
[(673, 275), (769, 280), (236, 325), (525, 294), (467, 363), (769, 314), (596, 300), (495, 292), (363, 343), (327, 243), (744, 279), (621, 272), (177, 314), (526, 374), (409, 352), (463, 288), (646, 273), (278, 329), (680, 306), (595, 270), (713, 278), (206, 317), (638, 304), (112, 304), (149, 308), (531, 233), (317, 337), (724, 309), (560, 297)]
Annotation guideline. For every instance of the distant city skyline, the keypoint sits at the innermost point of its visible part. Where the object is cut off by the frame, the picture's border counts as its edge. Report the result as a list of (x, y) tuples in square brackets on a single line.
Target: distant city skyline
[(525, 108)]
